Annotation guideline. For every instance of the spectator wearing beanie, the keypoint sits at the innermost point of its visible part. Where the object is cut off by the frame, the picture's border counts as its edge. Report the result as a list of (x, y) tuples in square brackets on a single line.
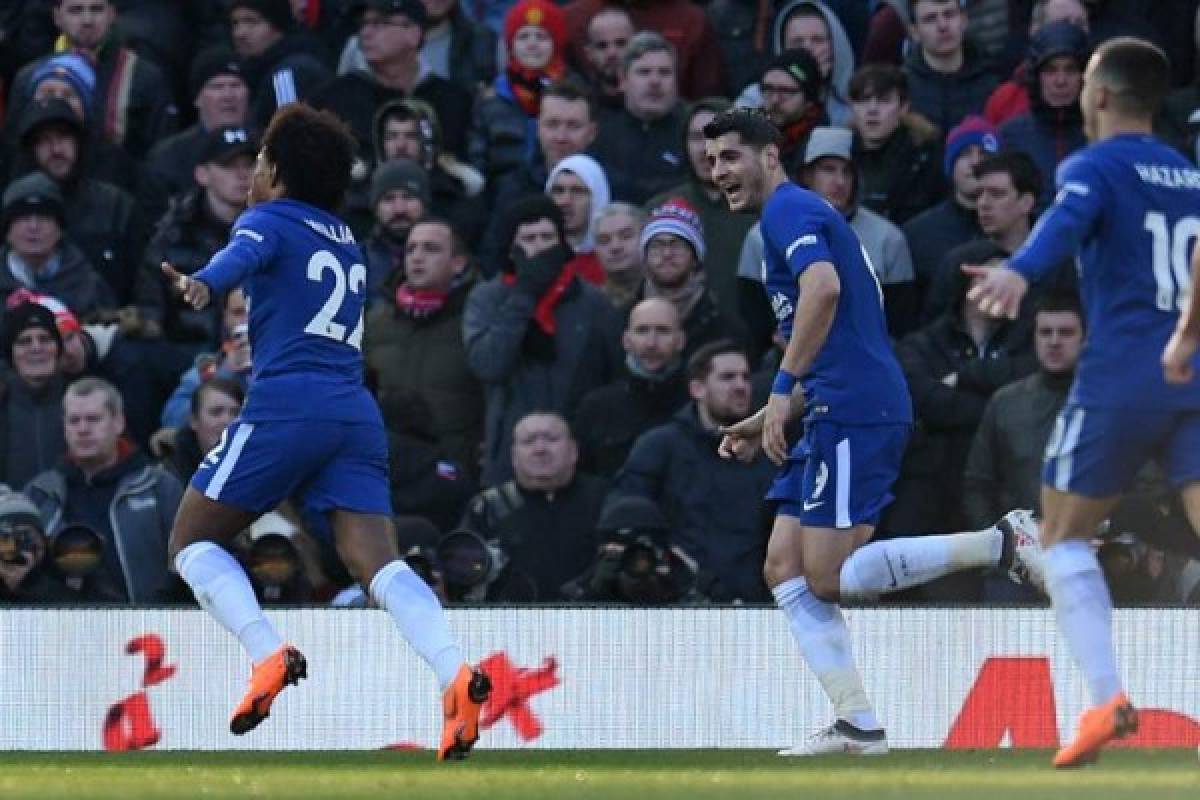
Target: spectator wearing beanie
[(390, 34), (724, 230), (100, 217), (282, 65), (31, 421), (937, 230), (570, 180), (672, 244), (399, 198), (36, 256), (220, 93), (537, 337), (792, 88), (505, 135), (131, 103), (1052, 129)]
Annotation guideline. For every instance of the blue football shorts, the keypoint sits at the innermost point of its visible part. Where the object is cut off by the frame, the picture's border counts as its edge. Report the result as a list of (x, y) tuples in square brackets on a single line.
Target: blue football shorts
[(1096, 452), (840, 476), (328, 464)]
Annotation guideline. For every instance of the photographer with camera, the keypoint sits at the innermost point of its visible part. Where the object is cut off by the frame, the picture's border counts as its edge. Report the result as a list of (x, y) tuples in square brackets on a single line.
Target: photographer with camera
[(715, 506), (24, 575), (635, 561), (522, 540)]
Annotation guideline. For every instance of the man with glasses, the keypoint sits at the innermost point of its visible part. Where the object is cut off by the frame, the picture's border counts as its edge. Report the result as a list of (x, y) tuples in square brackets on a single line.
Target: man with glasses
[(791, 89), (390, 35)]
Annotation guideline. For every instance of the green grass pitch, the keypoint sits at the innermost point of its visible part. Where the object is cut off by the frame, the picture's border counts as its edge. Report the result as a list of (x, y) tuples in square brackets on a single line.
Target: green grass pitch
[(599, 774)]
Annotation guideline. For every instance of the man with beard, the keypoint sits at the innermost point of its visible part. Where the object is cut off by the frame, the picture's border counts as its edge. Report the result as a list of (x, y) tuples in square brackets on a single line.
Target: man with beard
[(607, 35), (715, 506), (399, 198), (791, 88), (100, 217)]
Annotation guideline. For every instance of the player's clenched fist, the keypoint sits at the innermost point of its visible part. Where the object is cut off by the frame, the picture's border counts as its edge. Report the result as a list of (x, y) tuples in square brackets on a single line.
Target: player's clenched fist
[(195, 293), (1177, 358)]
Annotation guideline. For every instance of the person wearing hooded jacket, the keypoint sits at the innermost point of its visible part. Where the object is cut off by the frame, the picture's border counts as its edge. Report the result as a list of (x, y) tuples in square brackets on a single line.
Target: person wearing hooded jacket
[(100, 217), (579, 214), (536, 336), (952, 365), (1052, 129), (948, 75), (798, 25)]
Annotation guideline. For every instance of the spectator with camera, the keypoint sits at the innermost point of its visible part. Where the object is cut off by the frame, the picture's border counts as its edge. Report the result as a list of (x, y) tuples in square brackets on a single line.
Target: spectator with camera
[(635, 560), (109, 486), (650, 392), (31, 429), (414, 341), (538, 527), (196, 226), (25, 573), (714, 505), (537, 337)]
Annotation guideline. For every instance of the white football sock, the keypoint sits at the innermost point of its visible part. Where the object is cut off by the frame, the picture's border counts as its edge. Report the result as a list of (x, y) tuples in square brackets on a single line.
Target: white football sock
[(419, 616), (223, 590), (894, 564), (1083, 609), (820, 630)]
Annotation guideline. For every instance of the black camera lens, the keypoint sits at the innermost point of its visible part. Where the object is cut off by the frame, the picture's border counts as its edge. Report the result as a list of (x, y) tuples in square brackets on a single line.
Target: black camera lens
[(465, 558), (640, 558), (77, 551)]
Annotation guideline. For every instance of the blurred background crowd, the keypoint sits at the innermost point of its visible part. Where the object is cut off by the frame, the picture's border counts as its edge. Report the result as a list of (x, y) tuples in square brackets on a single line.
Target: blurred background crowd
[(562, 310)]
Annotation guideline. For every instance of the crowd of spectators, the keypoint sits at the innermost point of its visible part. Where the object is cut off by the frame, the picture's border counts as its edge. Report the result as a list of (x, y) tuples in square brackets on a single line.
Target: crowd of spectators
[(561, 309)]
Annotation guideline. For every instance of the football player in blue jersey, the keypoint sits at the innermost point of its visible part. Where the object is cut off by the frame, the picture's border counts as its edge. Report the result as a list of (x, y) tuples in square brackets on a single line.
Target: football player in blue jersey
[(839, 372), (309, 427), (1128, 207)]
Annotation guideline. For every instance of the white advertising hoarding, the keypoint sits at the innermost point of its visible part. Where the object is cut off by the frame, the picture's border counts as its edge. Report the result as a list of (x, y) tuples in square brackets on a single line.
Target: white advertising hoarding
[(579, 678)]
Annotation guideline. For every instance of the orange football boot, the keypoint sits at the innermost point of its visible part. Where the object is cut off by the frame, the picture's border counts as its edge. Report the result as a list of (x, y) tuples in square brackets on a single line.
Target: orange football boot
[(285, 667), (461, 703), (1098, 726)]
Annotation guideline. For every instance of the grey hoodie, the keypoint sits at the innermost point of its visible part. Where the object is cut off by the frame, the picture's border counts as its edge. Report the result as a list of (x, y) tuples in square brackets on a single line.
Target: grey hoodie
[(837, 102)]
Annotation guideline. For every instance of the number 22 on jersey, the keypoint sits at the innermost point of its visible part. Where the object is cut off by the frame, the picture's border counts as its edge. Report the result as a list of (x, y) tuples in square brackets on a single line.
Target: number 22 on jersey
[(323, 323)]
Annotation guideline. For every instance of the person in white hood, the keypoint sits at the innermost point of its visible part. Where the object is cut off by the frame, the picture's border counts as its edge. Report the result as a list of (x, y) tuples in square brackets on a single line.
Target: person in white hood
[(579, 187)]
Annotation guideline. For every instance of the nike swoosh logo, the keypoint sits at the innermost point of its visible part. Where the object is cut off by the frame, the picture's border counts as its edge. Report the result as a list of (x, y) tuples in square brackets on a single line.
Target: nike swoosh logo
[(810, 506)]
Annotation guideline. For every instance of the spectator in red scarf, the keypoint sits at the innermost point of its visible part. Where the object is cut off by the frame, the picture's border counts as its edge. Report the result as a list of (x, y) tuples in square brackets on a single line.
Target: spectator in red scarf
[(505, 135)]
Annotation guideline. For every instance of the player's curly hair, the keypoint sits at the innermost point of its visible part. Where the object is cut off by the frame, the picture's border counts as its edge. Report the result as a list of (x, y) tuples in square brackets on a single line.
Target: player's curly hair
[(312, 152), (752, 124)]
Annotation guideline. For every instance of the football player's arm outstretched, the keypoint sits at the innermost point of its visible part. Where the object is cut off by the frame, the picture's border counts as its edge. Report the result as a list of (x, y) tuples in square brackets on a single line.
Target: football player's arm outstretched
[(1181, 348), (227, 269)]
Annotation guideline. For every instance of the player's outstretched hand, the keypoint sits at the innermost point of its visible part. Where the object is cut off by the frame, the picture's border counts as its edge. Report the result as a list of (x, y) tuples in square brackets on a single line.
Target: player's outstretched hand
[(195, 293), (999, 292), (1177, 358), (743, 440)]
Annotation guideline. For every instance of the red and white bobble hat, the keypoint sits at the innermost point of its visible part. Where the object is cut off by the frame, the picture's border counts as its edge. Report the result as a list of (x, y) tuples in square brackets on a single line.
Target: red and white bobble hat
[(677, 217)]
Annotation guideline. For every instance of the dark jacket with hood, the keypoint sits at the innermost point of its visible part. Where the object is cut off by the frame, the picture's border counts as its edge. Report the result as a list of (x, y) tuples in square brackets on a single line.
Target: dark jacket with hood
[(131, 505), (472, 53), (945, 98), (715, 505), (904, 176), (133, 104), (187, 237), (356, 95), (612, 417), (929, 491), (76, 282), (286, 72), (1048, 135), (31, 428)]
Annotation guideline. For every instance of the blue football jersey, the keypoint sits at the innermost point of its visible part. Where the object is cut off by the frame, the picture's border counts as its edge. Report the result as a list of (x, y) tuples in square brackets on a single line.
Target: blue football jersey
[(855, 378), (304, 277), (1128, 209)]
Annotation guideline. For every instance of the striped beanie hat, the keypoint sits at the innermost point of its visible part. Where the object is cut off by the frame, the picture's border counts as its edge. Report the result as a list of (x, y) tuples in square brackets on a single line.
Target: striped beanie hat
[(677, 217)]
